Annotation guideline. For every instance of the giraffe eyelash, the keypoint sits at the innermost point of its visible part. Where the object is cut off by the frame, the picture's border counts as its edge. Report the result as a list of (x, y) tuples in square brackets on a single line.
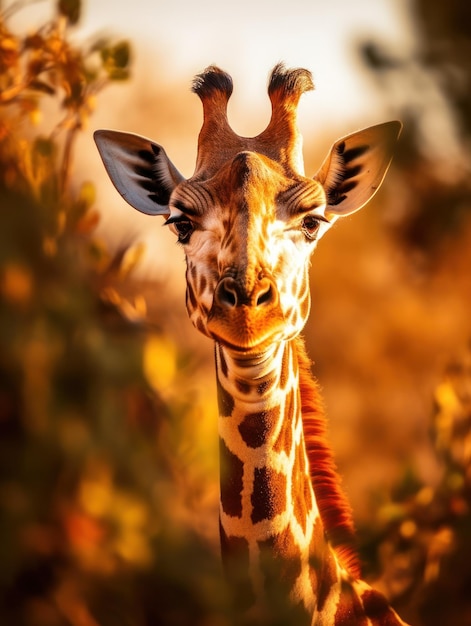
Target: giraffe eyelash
[(181, 226), (173, 219), (310, 226)]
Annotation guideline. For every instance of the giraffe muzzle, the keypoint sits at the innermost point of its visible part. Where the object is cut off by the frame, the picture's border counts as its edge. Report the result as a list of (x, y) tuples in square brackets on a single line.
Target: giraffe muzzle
[(232, 293), (245, 318)]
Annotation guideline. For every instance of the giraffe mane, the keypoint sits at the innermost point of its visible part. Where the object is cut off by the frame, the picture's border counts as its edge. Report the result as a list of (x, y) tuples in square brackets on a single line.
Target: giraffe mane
[(334, 508)]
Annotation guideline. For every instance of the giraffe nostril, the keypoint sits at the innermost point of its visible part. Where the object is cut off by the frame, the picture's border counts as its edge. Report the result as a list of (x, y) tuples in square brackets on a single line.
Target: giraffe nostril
[(230, 294), (226, 293), (266, 293)]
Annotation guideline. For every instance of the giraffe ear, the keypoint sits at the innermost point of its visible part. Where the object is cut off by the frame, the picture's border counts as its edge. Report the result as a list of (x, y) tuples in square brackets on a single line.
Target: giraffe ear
[(139, 169), (356, 166)]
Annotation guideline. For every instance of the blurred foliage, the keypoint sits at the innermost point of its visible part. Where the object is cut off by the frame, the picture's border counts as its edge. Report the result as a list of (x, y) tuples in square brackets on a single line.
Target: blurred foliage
[(45, 63), (91, 529), (97, 480), (429, 89), (420, 542), (421, 545)]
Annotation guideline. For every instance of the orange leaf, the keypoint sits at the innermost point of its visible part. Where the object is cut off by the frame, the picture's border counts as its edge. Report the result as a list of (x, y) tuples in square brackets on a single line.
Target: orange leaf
[(87, 223)]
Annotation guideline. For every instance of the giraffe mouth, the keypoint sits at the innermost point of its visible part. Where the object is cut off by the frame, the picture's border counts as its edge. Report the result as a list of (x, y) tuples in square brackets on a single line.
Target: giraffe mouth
[(245, 328)]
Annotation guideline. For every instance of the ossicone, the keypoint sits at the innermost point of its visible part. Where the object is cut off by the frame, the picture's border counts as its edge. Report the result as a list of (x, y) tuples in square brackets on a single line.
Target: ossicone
[(212, 82), (279, 141), (289, 84)]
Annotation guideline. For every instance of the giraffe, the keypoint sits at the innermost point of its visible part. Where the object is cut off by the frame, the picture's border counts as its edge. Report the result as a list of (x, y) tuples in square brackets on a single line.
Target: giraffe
[(248, 221)]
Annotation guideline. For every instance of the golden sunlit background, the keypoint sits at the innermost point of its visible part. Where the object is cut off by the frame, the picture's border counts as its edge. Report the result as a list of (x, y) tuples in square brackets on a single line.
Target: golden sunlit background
[(108, 420)]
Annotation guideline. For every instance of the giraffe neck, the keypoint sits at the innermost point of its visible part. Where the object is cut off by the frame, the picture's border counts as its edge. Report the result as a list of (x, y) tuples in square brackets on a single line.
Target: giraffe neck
[(277, 537), (269, 515)]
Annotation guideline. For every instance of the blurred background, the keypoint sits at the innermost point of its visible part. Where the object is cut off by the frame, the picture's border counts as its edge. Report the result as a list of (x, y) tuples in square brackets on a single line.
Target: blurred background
[(108, 419)]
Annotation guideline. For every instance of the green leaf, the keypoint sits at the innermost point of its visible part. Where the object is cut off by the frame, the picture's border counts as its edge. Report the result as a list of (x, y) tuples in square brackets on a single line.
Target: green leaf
[(121, 54), (116, 60), (118, 74), (87, 194), (44, 147)]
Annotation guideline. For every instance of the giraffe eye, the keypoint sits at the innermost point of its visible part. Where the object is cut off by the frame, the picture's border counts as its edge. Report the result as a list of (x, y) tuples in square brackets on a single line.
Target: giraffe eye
[(182, 227), (310, 226)]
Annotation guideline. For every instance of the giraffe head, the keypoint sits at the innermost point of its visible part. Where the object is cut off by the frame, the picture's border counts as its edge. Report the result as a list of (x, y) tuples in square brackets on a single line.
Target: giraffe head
[(248, 218)]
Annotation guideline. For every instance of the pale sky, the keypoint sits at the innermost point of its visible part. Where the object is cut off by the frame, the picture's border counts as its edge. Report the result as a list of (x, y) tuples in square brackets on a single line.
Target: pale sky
[(175, 39), (247, 38)]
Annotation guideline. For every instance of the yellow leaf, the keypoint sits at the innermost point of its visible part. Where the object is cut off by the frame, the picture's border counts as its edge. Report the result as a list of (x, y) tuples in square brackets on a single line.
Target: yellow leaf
[(446, 397), (87, 194), (91, 103), (96, 490), (87, 223), (140, 305), (95, 497), (449, 407), (134, 548), (9, 43), (135, 311), (160, 362), (131, 258), (111, 295), (408, 529), (99, 254), (35, 117), (129, 511)]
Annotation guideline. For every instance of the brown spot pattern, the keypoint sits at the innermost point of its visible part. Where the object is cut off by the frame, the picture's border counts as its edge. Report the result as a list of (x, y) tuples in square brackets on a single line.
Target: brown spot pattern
[(265, 386), (243, 386), (232, 472), (281, 564), (349, 609), (323, 571), (256, 426), (191, 300), (300, 492), (269, 494), (377, 609), (280, 558), (225, 401), (222, 362), (305, 306), (236, 561), (294, 317), (200, 325), (315, 561), (285, 368), (284, 440)]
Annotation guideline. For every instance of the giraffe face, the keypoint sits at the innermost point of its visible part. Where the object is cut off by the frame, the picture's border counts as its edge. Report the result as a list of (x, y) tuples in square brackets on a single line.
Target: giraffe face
[(248, 233), (249, 219)]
